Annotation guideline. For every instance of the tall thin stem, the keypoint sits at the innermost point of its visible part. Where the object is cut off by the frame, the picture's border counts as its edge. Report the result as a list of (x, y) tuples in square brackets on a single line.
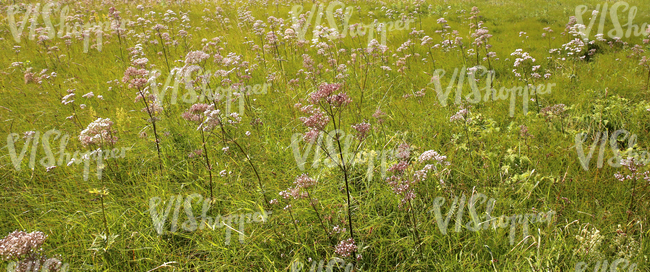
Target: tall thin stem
[(155, 130), (318, 214), (248, 158), (345, 174), (293, 220), (104, 213), (415, 224), (207, 162)]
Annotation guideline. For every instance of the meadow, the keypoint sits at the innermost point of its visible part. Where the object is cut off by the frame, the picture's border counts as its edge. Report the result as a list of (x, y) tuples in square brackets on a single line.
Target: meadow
[(170, 135)]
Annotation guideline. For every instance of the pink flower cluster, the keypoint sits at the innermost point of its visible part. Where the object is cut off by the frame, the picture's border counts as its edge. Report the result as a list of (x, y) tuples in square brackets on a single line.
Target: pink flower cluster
[(68, 98), (303, 182), (325, 91), (193, 114), (362, 130), (460, 115), (20, 243), (136, 78), (195, 57), (403, 151), (633, 166), (346, 247), (378, 115), (524, 62), (431, 155), (553, 111), (318, 119), (98, 132), (399, 167), (402, 184), (403, 187)]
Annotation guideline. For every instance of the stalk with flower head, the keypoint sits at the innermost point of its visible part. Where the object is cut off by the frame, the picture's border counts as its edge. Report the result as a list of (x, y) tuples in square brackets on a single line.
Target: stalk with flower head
[(481, 37), (99, 133), (102, 193), (633, 166), (301, 190), (136, 77), (197, 114), (209, 116), (526, 71), (26, 252), (645, 62), (157, 28), (460, 116), (326, 105), (405, 178)]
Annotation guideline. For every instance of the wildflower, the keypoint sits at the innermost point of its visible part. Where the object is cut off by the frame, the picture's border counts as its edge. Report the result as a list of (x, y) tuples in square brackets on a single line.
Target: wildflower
[(339, 100), (98, 132), (338, 229), (345, 248), (362, 130), (20, 243), (318, 120), (378, 115), (403, 151), (193, 114), (311, 136), (293, 192), (28, 134), (324, 91), (136, 78), (195, 57), (460, 115), (234, 118), (195, 153), (431, 155), (88, 95), (523, 132), (552, 111), (141, 62), (632, 165), (304, 181), (399, 167), (67, 99)]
